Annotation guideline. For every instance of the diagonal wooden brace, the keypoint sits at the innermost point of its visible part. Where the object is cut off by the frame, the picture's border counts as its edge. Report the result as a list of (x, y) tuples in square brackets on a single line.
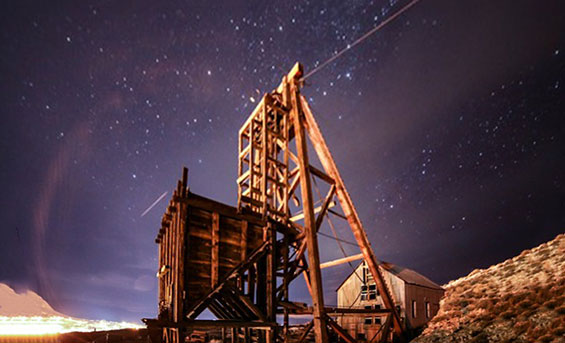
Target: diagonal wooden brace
[(198, 307)]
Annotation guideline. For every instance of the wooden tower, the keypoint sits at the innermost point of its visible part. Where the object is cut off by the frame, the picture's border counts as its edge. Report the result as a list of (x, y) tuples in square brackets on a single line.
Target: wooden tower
[(239, 262), (270, 172)]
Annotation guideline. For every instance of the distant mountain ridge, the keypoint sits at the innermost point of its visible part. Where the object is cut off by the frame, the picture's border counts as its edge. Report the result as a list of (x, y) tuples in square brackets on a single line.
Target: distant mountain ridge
[(519, 300), (28, 313), (26, 304)]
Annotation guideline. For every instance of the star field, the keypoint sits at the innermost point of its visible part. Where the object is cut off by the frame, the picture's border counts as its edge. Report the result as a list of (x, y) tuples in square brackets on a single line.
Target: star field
[(447, 126)]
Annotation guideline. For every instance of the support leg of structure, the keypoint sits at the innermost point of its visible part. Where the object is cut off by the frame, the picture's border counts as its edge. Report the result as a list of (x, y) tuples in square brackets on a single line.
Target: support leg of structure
[(346, 203), (271, 281), (320, 326)]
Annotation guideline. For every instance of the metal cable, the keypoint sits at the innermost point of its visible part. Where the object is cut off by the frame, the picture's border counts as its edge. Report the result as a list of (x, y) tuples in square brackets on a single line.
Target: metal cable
[(335, 232), (338, 239)]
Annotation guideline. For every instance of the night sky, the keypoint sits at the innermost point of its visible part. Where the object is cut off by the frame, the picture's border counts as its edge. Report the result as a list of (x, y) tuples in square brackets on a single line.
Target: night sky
[(447, 126)]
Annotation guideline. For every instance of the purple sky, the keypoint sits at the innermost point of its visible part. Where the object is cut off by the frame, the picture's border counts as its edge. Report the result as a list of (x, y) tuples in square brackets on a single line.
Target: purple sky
[(447, 127)]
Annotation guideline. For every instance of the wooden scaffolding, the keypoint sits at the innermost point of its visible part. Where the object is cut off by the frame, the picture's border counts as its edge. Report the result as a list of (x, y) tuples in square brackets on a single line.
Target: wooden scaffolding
[(239, 262)]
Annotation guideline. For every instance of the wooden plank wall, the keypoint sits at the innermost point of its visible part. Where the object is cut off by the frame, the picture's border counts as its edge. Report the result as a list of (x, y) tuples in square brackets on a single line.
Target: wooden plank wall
[(207, 240)]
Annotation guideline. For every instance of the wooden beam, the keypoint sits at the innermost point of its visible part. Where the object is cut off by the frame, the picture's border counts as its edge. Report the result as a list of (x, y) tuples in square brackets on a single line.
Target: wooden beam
[(251, 306), (182, 252), (243, 240), (305, 332), (341, 261), (264, 155), (386, 330), (221, 308), (174, 263), (316, 210), (293, 186), (285, 282), (302, 247), (198, 307), (340, 331), (317, 172), (217, 313), (208, 324), (215, 249), (212, 324), (198, 201), (243, 252), (271, 269), (327, 204), (160, 280), (319, 144), (315, 274), (239, 310), (297, 309)]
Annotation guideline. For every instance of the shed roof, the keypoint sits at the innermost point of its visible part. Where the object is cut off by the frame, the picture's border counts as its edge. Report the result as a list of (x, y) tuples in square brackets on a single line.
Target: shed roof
[(407, 275)]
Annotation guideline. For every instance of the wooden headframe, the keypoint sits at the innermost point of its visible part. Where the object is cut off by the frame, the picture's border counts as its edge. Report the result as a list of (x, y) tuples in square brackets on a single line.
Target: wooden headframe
[(269, 173), (239, 262)]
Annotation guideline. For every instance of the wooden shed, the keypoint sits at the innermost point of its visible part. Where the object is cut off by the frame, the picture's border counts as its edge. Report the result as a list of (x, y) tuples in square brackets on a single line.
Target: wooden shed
[(212, 256), (416, 299)]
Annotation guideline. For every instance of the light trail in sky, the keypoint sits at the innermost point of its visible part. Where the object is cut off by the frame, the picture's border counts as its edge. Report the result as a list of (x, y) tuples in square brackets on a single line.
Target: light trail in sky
[(154, 203)]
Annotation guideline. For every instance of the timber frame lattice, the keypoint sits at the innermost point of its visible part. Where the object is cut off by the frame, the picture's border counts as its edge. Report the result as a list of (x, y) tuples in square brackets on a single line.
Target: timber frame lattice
[(238, 263)]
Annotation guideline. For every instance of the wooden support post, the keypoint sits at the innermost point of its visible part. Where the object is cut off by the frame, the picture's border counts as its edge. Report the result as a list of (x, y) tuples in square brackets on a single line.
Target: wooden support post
[(271, 267), (233, 336), (271, 286), (167, 275), (243, 245), (215, 248), (264, 156), (346, 203), (286, 125), (261, 285), (285, 282), (245, 335), (160, 279), (181, 248), (307, 278), (243, 252), (309, 220), (174, 261)]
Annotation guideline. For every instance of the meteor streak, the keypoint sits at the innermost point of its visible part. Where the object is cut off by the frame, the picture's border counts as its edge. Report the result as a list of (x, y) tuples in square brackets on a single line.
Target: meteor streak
[(154, 203)]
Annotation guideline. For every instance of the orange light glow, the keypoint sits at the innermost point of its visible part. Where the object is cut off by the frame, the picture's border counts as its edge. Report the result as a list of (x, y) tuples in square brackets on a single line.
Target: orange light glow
[(57, 324)]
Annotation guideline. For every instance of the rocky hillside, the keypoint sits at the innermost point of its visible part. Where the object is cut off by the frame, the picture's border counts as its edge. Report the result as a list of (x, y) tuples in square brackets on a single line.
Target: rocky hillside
[(519, 300)]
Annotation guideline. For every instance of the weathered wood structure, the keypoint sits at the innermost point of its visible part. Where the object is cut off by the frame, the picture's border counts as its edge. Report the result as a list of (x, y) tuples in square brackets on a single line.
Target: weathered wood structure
[(239, 262), (417, 299)]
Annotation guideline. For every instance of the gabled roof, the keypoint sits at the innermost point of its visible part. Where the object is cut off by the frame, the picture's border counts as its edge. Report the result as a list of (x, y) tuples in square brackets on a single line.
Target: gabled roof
[(407, 275)]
